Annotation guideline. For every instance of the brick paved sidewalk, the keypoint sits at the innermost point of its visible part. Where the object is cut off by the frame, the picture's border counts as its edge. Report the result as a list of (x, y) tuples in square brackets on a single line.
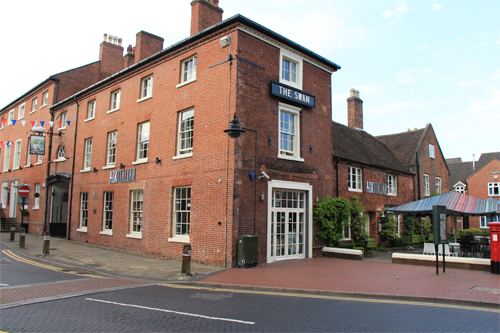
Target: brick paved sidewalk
[(363, 278)]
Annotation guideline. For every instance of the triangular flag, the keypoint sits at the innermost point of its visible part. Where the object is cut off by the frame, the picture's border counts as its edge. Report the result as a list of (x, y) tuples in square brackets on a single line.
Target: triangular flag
[(67, 121), (13, 122), (33, 123), (8, 143), (4, 121), (23, 122), (1, 143), (60, 123), (51, 123), (42, 122)]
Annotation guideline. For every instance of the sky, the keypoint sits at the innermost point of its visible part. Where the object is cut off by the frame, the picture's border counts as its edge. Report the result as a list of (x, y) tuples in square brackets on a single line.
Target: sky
[(413, 62)]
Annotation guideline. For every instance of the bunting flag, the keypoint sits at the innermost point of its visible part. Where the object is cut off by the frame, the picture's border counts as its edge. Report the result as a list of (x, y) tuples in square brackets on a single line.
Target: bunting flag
[(51, 123), (4, 121), (14, 122), (42, 122), (1, 144), (7, 143), (33, 123), (60, 123), (23, 122), (67, 121)]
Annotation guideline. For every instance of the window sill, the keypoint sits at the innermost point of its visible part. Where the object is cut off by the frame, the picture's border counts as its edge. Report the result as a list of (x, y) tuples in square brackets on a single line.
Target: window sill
[(136, 235), (291, 84), (35, 208), (111, 111), (41, 107), (84, 229), (185, 83), (179, 239), (60, 159), (28, 165), (355, 190), (290, 158), (38, 163), (88, 119), (19, 118), (85, 170), (106, 232), (109, 167), (178, 157), (392, 194), (62, 128), (18, 168), (32, 112), (140, 162), (144, 98)]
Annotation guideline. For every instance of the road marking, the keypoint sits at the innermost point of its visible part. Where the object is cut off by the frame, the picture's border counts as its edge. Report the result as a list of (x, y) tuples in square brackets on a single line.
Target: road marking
[(172, 311), (3, 285), (37, 264), (340, 298)]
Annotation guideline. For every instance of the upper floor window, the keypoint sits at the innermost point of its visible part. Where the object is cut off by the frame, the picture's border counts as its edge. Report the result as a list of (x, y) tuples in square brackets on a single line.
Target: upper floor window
[(146, 87), (431, 151), (355, 179), (17, 154), (143, 142), (1, 123), (45, 98), (392, 185), (427, 191), (91, 110), (188, 70), (460, 189), (290, 69), (28, 155), (61, 153), (10, 117), (438, 185), (111, 151), (115, 100), (87, 156), (6, 158), (493, 188), (64, 116), (185, 139), (289, 132), (34, 103), (22, 108)]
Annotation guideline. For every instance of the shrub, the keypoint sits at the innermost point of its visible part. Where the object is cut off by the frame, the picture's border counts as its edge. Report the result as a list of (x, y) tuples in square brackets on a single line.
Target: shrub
[(409, 225), (389, 228), (358, 221), (474, 231), (332, 215), (397, 242)]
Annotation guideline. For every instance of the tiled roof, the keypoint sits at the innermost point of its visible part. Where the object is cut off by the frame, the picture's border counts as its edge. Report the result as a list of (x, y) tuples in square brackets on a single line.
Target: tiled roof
[(486, 158), (403, 144), (359, 146), (454, 160), (459, 172)]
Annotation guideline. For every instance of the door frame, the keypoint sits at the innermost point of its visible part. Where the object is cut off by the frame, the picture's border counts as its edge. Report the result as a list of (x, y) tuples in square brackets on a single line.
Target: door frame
[(291, 186), (13, 198)]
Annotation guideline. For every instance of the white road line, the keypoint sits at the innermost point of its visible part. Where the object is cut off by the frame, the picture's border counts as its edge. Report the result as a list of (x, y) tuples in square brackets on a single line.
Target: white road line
[(3, 285), (171, 311)]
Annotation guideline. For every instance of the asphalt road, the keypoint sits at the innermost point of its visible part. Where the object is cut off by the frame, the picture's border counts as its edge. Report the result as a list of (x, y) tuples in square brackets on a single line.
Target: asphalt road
[(192, 309)]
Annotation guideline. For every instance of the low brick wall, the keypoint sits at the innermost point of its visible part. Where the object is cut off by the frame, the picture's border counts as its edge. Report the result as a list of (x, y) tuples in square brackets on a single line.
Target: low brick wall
[(477, 264), (334, 252)]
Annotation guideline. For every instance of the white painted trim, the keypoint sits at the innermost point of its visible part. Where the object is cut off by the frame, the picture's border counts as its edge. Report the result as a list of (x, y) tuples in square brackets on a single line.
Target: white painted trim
[(82, 229), (185, 83), (425, 257), (136, 235), (342, 251), (106, 232), (178, 157), (180, 239)]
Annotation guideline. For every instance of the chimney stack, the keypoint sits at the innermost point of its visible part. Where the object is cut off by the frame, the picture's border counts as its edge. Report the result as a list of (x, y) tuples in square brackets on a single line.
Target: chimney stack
[(355, 110), (146, 45), (110, 56), (204, 14)]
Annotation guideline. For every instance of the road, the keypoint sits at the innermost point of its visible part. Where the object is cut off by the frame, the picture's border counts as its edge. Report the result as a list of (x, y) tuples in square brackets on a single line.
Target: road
[(143, 306)]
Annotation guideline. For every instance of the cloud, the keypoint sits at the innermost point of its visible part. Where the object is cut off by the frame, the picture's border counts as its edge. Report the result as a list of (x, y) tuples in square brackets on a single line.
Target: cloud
[(437, 7), (496, 76), (421, 47), (406, 76), (397, 12), (464, 84)]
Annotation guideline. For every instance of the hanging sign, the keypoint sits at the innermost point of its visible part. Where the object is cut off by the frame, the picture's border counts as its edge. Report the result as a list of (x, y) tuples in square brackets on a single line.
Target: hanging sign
[(37, 144), (292, 94)]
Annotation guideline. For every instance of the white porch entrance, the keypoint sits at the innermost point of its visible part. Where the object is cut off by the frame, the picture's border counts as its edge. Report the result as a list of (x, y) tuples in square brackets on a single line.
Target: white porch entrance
[(13, 199), (289, 221)]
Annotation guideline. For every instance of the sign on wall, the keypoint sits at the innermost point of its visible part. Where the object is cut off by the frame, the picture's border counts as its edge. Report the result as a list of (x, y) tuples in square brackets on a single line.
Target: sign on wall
[(292, 94), (376, 188), (122, 176), (37, 144)]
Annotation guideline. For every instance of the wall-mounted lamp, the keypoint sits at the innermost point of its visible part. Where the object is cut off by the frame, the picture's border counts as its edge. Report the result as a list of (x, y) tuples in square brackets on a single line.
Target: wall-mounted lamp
[(95, 170), (262, 196), (122, 166), (251, 175), (157, 161), (310, 148), (269, 140), (59, 133), (317, 199)]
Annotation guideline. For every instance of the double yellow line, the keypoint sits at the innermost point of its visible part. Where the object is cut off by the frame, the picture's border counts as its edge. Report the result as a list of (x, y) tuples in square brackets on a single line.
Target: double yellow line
[(37, 264)]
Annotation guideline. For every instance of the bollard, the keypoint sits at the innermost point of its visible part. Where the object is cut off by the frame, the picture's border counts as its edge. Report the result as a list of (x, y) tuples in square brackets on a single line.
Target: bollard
[(46, 243), (186, 260), (22, 238), (12, 233)]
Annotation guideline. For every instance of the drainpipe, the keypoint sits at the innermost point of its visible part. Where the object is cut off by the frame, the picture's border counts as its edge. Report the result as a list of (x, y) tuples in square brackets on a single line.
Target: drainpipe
[(68, 231), (337, 174), (49, 154), (418, 174)]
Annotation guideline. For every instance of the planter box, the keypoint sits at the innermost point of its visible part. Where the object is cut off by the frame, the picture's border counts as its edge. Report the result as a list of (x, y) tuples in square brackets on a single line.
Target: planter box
[(335, 252)]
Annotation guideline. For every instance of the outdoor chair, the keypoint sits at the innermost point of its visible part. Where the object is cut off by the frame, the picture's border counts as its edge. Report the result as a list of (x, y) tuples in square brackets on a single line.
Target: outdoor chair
[(415, 240), (370, 246), (431, 238), (422, 239), (429, 249), (358, 248)]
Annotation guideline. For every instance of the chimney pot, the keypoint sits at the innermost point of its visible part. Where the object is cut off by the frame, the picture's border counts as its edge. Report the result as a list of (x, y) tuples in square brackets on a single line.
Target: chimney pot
[(354, 93), (354, 110), (115, 40), (105, 37), (119, 42), (204, 14), (110, 39)]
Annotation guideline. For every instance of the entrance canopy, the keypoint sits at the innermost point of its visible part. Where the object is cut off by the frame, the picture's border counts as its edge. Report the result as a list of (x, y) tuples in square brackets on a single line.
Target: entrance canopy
[(458, 204)]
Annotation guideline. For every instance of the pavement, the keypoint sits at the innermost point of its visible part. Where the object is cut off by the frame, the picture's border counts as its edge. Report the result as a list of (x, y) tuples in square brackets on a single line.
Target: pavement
[(375, 277)]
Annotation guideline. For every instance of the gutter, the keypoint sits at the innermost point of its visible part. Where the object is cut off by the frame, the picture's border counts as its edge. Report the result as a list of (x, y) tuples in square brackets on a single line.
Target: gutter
[(337, 174), (418, 174), (68, 232)]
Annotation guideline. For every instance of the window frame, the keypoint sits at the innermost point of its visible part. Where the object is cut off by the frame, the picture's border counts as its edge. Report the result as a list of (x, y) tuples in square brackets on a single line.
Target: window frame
[(34, 104), (427, 189), (358, 174), (63, 117), (36, 204), (177, 209), (91, 110), (87, 155), (135, 221), (39, 159), (491, 189), (146, 92), (45, 98), (291, 57), (114, 100), (181, 135), (107, 212), (10, 117), (283, 153), (439, 187), (23, 108), (392, 184), (6, 157), (139, 143), (17, 154), (432, 152), (59, 157), (111, 151), (188, 74), (84, 212), (28, 155)]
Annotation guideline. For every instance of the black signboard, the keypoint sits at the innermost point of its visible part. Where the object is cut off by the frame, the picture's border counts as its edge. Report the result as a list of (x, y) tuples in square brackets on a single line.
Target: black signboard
[(292, 94)]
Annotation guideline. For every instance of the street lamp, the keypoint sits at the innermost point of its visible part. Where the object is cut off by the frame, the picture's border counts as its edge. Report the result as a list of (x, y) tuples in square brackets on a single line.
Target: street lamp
[(234, 131)]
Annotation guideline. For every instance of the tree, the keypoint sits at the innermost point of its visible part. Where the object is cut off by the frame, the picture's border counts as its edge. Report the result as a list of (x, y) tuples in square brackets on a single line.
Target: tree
[(409, 224), (358, 221), (332, 215), (389, 228)]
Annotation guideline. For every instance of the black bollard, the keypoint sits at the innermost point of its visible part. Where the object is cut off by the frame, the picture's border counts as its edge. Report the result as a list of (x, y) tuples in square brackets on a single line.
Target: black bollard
[(186, 260), (46, 243), (12, 233), (22, 238)]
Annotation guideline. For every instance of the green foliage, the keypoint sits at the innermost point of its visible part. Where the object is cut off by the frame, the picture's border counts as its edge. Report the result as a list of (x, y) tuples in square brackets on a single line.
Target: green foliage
[(397, 242), (332, 215), (434, 194), (358, 221), (24, 212), (423, 226), (409, 225), (389, 228), (474, 231)]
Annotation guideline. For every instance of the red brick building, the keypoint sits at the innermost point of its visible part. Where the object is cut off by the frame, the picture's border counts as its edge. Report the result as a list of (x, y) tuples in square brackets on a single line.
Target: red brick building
[(153, 169), (17, 119)]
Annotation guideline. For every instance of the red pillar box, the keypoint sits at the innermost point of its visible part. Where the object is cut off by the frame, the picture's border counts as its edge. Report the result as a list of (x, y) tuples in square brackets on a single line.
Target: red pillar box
[(495, 247)]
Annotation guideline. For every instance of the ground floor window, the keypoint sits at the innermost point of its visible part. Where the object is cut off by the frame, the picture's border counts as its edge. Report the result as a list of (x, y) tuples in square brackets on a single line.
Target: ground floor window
[(136, 212), (182, 211), (108, 212), (84, 210), (484, 220)]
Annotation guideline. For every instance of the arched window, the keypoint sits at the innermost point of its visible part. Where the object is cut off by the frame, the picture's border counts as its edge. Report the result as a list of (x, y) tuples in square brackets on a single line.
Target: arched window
[(61, 153)]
